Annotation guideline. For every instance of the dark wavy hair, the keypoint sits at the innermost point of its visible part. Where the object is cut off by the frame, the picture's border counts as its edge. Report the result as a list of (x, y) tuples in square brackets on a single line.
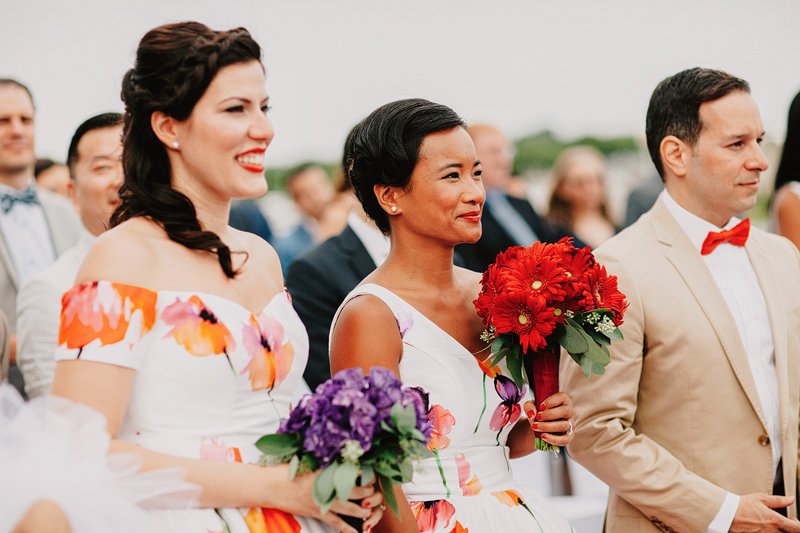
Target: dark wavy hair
[(675, 106), (383, 149), (789, 167), (175, 64)]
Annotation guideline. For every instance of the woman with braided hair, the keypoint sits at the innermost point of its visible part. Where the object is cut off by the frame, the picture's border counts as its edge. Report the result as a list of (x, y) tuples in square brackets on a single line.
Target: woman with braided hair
[(179, 330)]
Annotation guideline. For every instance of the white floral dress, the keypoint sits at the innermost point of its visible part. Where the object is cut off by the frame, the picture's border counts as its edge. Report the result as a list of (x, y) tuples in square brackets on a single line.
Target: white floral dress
[(467, 485)]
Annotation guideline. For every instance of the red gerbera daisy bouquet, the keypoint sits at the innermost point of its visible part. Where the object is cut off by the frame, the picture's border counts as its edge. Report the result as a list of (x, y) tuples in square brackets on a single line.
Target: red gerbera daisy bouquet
[(535, 300)]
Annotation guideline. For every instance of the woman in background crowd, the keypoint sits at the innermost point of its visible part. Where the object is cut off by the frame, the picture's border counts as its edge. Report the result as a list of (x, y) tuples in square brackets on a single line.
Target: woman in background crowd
[(785, 204), (578, 200)]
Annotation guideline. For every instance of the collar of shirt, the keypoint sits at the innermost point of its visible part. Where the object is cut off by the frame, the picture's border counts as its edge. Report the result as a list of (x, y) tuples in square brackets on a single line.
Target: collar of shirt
[(376, 243), (11, 190), (695, 227)]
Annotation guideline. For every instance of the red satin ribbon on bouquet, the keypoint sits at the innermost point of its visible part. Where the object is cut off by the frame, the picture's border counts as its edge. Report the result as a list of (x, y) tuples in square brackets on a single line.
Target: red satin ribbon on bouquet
[(737, 236)]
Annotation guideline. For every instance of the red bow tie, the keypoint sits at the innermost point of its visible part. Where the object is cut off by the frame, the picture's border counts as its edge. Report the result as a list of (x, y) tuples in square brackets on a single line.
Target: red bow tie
[(737, 236)]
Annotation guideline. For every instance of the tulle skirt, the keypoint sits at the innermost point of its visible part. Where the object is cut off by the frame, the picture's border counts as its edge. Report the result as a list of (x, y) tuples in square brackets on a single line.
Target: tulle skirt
[(57, 450)]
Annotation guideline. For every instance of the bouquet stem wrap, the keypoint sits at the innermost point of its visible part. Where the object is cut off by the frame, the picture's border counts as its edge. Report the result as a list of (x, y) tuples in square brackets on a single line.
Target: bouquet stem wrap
[(543, 375)]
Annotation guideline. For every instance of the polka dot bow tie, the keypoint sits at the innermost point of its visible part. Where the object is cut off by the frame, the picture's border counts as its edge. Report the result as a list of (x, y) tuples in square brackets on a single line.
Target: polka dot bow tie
[(7, 201), (737, 236)]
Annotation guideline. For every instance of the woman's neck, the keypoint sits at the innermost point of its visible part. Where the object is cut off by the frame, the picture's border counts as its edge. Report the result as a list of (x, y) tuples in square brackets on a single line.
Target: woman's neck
[(427, 263)]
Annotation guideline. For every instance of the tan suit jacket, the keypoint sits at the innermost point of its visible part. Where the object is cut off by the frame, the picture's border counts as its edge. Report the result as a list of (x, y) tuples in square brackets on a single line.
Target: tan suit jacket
[(676, 420)]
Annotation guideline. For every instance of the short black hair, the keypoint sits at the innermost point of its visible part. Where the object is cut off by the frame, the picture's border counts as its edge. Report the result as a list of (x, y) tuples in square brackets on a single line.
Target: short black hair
[(295, 171), (103, 120), (42, 165), (15, 83), (675, 106), (383, 149)]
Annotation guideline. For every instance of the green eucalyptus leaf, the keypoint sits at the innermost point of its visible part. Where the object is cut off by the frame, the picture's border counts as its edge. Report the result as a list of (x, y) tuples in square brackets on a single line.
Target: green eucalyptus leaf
[(294, 464), (497, 344), (616, 335), (281, 444), (586, 366), (514, 363), (497, 357), (367, 475), (324, 489), (344, 479), (406, 470), (387, 488), (572, 340), (598, 337)]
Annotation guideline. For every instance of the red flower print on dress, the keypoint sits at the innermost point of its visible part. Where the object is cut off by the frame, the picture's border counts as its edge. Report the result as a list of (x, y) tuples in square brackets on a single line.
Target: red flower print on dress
[(267, 520), (105, 311), (432, 515), (512, 498), (197, 328), (470, 486), (459, 528), (270, 359)]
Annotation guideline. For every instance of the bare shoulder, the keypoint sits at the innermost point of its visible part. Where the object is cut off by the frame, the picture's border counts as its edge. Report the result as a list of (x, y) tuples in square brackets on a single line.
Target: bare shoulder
[(125, 253), (366, 334), (261, 256)]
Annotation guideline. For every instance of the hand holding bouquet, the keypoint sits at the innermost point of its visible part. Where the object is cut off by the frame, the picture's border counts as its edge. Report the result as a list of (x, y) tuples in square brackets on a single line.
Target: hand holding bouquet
[(535, 299), (357, 429)]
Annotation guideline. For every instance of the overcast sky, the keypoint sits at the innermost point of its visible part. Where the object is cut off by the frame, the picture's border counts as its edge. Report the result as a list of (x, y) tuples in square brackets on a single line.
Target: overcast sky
[(576, 67)]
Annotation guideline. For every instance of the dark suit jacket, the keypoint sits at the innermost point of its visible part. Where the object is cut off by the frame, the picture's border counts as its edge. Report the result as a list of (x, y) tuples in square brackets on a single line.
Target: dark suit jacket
[(495, 239), (319, 281)]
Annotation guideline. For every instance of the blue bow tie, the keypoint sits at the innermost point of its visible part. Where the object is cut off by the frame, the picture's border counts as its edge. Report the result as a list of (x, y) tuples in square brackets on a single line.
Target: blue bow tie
[(7, 201)]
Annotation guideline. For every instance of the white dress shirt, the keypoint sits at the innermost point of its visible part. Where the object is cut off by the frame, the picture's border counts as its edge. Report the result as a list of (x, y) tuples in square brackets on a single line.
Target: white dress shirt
[(376, 243), (27, 237), (737, 281)]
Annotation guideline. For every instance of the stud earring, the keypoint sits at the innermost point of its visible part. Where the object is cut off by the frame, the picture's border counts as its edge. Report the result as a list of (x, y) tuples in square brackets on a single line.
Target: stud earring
[(394, 209), (175, 145)]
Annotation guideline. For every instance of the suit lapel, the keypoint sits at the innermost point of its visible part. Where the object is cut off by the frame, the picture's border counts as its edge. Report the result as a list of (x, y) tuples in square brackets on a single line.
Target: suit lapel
[(769, 282), (8, 263), (694, 272), (357, 254)]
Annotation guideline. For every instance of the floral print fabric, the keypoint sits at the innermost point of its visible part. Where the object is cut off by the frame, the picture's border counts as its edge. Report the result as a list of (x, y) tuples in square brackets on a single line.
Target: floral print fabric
[(211, 378), (466, 486)]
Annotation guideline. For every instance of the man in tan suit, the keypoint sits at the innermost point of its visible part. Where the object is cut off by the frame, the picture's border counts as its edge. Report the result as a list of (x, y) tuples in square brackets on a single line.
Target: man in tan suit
[(694, 427)]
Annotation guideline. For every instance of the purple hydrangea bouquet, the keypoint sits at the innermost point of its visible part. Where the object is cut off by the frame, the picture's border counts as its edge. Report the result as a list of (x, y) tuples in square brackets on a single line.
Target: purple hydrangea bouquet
[(357, 429)]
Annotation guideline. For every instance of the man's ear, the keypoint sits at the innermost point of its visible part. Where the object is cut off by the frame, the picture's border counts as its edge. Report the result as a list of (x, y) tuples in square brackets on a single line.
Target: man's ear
[(73, 194), (165, 128), (675, 155), (387, 198)]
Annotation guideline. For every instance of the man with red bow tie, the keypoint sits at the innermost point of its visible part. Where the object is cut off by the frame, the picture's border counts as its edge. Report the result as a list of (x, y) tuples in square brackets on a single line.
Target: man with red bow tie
[(695, 425)]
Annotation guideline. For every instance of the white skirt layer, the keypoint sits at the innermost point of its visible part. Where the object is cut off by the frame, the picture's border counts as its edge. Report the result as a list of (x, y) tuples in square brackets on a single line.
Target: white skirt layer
[(54, 449)]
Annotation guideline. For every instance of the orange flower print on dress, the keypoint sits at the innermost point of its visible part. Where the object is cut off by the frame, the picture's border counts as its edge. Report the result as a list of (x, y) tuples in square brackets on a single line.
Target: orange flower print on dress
[(197, 329), (470, 486), (512, 498), (104, 311), (432, 515), (459, 528), (265, 520), (270, 359)]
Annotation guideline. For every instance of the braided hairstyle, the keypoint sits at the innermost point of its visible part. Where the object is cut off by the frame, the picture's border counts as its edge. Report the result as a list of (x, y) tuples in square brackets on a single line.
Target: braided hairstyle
[(175, 64)]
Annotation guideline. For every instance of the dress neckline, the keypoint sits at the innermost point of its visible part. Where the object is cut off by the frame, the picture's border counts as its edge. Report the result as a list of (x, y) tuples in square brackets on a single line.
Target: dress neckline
[(405, 302), (203, 294)]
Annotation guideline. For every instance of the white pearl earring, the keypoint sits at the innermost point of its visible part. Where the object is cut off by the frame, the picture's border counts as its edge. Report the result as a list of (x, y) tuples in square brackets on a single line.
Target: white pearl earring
[(394, 209), (175, 145)]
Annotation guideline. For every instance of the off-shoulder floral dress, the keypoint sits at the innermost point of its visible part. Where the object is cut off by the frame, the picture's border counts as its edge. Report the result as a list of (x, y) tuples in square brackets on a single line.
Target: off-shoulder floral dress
[(467, 486), (211, 378)]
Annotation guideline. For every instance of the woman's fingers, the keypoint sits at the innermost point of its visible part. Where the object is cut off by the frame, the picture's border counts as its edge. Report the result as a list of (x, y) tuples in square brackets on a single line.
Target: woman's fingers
[(337, 523), (351, 509), (359, 493), (559, 398), (562, 412)]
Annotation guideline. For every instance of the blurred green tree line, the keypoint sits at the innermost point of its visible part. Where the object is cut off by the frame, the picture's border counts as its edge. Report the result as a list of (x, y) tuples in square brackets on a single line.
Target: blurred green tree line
[(532, 152)]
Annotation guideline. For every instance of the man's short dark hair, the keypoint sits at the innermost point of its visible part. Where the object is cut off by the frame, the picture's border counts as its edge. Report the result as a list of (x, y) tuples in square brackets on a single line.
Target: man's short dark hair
[(675, 106), (295, 171), (103, 120), (4, 82)]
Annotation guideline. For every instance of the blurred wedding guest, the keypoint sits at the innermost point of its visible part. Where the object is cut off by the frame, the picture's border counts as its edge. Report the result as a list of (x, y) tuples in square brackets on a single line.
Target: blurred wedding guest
[(694, 424), (578, 200), (247, 216), (334, 216), (641, 198), (95, 167), (52, 176), (35, 226), (320, 280), (507, 220), (785, 204), (5, 341), (179, 330), (312, 190)]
